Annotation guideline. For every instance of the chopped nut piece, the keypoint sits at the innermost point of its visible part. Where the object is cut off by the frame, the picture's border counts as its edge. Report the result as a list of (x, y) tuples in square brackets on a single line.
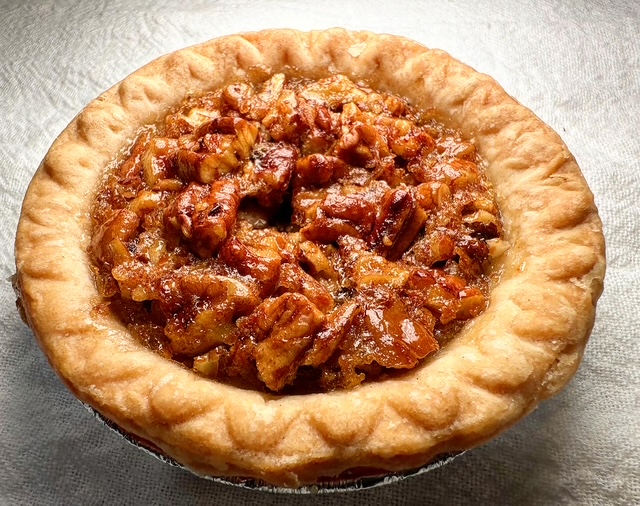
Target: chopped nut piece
[(257, 106), (482, 222), (282, 120), (208, 364), (327, 230), (332, 333), (319, 169), (398, 223), (243, 134), (260, 265), (206, 167), (237, 96), (271, 174), (311, 256), (355, 209), (373, 272), (205, 215), (145, 202), (294, 279), (201, 335), (158, 160), (407, 141), (284, 329), (168, 185), (386, 336), (108, 241), (362, 145)]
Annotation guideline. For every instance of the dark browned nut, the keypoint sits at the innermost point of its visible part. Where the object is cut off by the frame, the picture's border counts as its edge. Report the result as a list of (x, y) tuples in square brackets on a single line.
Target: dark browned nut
[(284, 329), (205, 215), (272, 171), (263, 266), (398, 223), (319, 169), (109, 241), (294, 279)]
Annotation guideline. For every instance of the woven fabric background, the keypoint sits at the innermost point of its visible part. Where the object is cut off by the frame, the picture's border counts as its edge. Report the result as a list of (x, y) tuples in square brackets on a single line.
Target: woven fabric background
[(575, 63)]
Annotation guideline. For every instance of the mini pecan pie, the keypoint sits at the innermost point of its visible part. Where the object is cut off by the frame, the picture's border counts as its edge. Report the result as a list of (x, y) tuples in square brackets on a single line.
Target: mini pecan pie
[(289, 255)]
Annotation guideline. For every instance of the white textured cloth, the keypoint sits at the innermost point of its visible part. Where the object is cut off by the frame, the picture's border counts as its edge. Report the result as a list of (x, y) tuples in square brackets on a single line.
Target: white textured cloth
[(575, 63)]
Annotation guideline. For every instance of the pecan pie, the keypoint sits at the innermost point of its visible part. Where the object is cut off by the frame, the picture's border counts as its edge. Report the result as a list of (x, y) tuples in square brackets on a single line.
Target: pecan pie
[(287, 255)]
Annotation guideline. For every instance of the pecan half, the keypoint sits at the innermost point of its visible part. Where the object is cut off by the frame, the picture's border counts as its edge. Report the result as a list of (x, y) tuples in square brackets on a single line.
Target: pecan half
[(109, 241), (294, 279), (398, 223), (283, 329), (204, 215), (261, 265), (271, 173)]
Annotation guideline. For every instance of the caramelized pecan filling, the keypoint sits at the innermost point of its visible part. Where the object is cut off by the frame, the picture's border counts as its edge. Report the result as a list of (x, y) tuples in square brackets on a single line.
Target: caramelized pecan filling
[(295, 235)]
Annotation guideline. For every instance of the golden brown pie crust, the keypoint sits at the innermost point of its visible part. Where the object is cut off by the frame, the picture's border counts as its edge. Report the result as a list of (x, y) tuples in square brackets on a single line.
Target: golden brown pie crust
[(521, 350)]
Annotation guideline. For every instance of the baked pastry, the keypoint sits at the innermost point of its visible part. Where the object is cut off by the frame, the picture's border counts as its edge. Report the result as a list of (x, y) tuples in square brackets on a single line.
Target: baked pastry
[(144, 292)]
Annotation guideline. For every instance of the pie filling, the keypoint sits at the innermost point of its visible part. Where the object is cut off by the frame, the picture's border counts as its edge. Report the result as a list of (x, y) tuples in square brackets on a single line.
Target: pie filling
[(295, 235)]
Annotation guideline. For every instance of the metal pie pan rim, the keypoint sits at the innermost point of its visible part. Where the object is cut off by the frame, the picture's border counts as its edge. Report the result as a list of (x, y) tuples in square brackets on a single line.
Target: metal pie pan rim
[(323, 487)]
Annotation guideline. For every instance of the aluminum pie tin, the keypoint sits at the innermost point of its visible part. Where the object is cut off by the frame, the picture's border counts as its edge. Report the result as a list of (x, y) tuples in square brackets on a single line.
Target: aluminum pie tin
[(339, 484)]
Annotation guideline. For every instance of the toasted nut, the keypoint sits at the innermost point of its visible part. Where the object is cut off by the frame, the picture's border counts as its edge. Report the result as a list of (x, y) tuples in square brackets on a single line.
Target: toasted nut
[(109, 241), (205, 215), (294, 279), (145, 201), (328, 339), (319, 169), (398, 223), (261, 265), (284, 329)]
